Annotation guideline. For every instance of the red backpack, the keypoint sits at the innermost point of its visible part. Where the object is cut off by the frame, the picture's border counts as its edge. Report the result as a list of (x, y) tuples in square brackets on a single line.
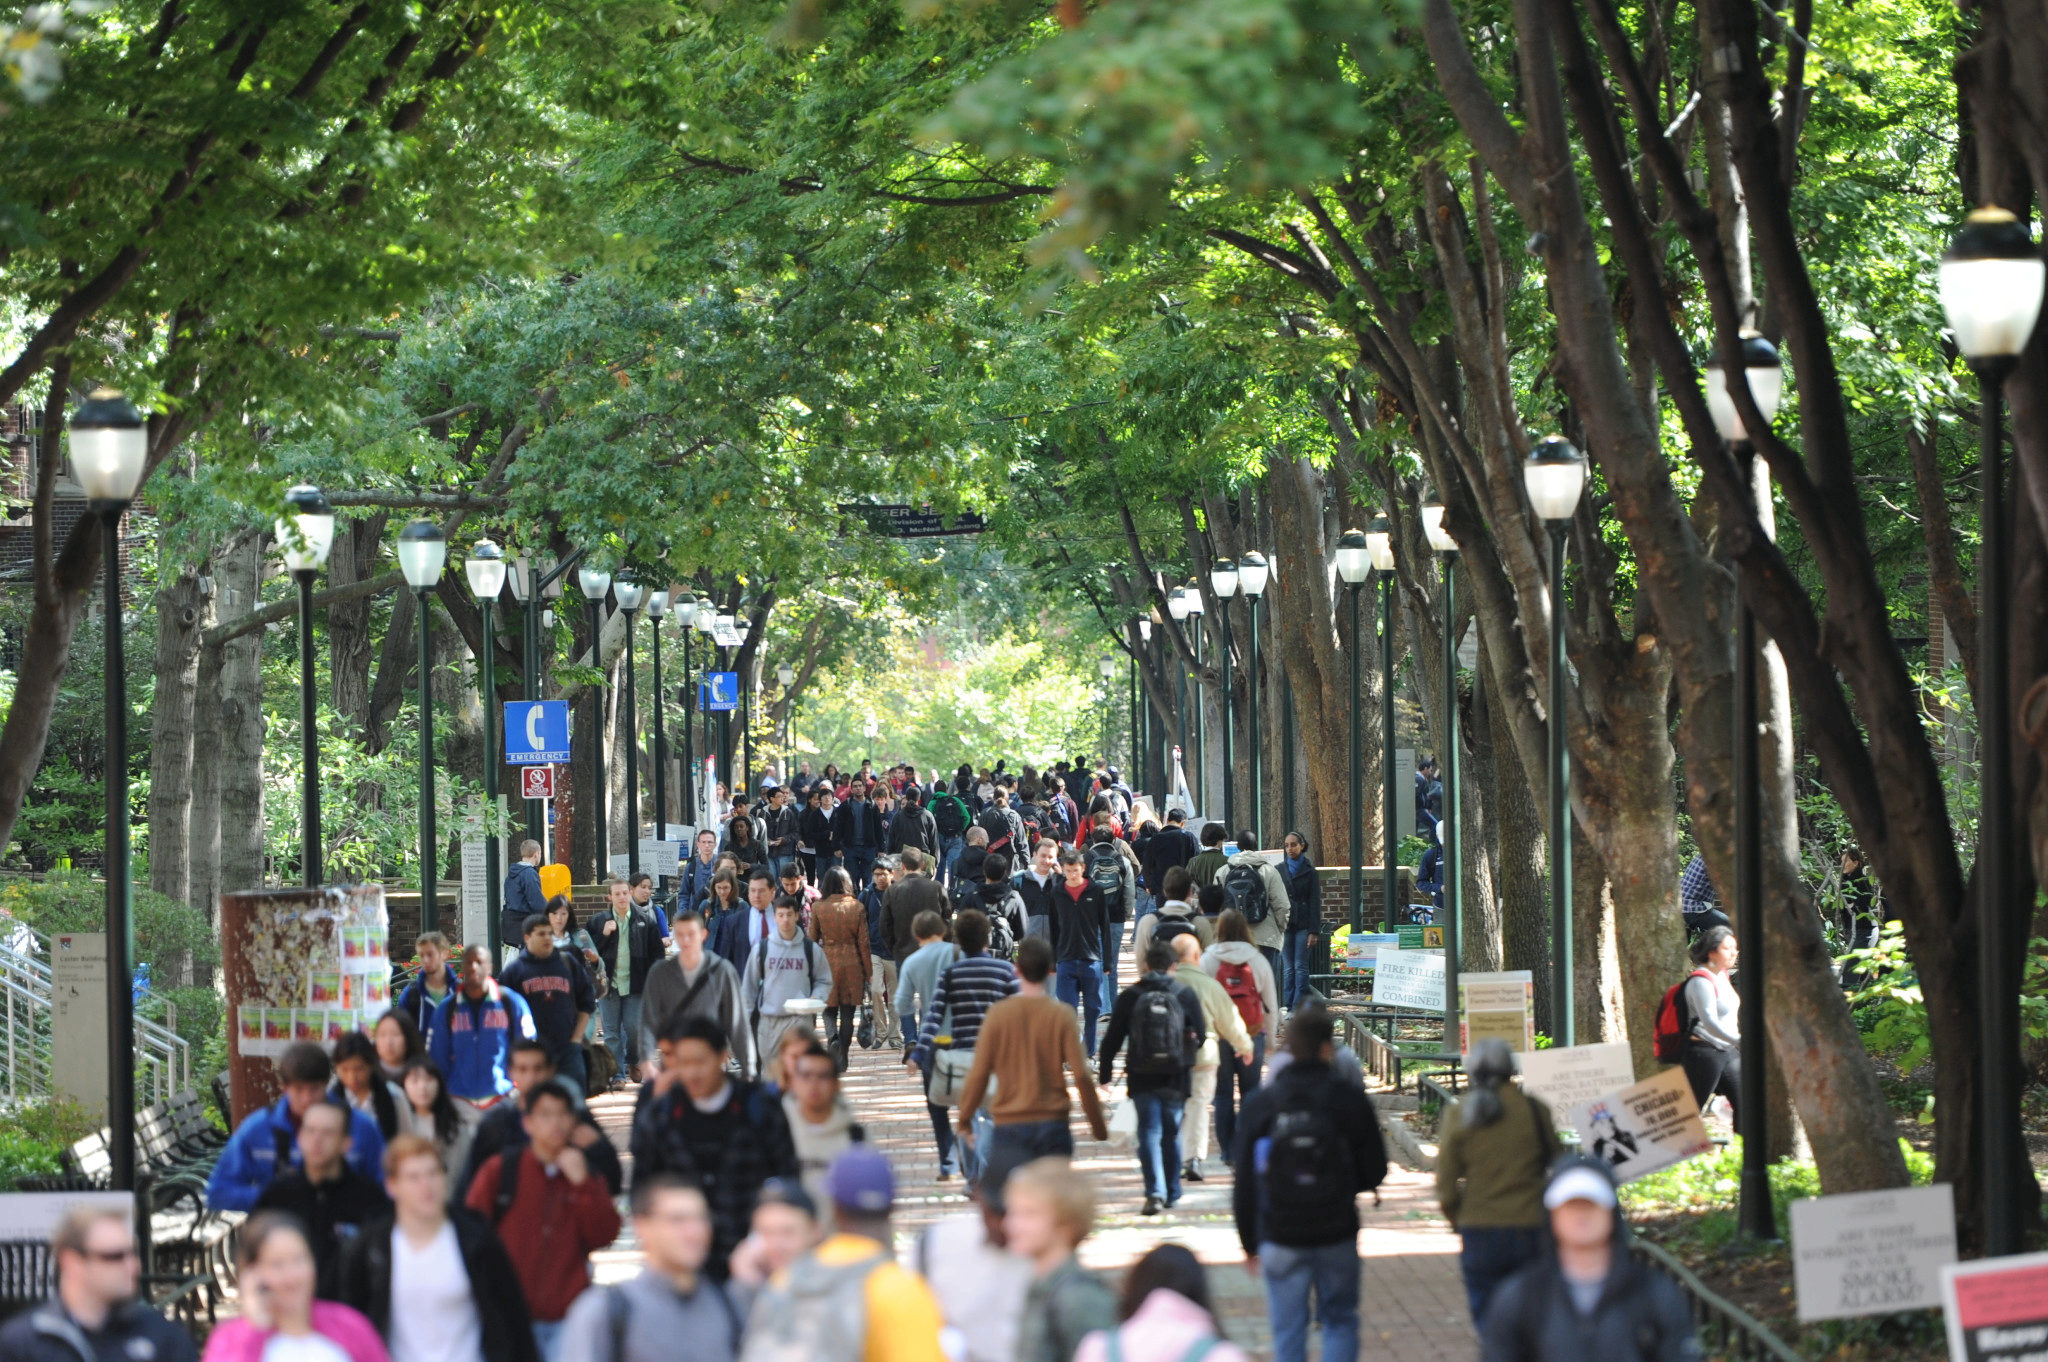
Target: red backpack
[(1243, 987), (1674, 1026)]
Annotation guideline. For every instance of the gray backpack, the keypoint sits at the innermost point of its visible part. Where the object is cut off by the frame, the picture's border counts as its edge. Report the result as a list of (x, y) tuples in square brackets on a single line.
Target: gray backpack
[(818, 1314)]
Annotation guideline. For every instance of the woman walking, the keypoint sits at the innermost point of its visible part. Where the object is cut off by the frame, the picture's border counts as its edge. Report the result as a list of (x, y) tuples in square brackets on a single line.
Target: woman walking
[(839, 923), (430, 1112), (1712, 1037), (1498, 1145), (1166, 1315), (1304, 914), (1247, 977), (280, 1320)]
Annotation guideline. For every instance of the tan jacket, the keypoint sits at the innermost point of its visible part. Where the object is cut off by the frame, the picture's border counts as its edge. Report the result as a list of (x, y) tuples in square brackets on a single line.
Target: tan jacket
[(1221, 1015)]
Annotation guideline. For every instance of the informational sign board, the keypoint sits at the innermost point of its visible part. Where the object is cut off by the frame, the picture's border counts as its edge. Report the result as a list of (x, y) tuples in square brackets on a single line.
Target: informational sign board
[(1872, 1253), (1404, 791), (476, 892), (719, 692), (27, 1217), (1420, 938), (1361, 950), (1645, 1126), (78, 1017), (1997, 1308), (1408, 979), (536, 782), (1569, 1078), (898, 521), (1500, 1006), (536, 732), (661, 858)]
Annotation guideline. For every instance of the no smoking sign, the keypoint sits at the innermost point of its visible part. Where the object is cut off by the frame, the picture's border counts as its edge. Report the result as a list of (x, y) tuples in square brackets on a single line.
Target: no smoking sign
[(537, 782)]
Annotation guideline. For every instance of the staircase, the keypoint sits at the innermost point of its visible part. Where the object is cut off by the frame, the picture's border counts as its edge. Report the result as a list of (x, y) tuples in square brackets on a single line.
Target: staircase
[(163, 1059)]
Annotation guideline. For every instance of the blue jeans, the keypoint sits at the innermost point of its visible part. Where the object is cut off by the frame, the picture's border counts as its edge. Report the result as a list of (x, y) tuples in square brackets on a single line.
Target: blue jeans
[(942, 1132), (1112, 948), (547, 1338), (1235, 1081), (1159, 1114), (949, 855), (1010, 1147), (860, 863), (1298, 959), (775, 865), (1490, 1256), (1330, 1273), (574, 1068), (1078, 984), (621, 1018)]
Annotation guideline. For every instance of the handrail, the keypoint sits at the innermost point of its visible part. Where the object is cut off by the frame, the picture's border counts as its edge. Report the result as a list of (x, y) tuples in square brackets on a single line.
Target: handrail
[(26, 988), (1737, 1333)]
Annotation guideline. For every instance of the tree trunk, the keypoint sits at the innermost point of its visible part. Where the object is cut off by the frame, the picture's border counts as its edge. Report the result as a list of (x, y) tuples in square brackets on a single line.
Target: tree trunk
[(179, 619), (203, 820), (1525, 912), (348, 622), (241, 723)]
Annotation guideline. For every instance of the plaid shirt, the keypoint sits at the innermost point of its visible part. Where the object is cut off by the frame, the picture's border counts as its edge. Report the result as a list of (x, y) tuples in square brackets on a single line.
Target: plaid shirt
[(1696, 889)]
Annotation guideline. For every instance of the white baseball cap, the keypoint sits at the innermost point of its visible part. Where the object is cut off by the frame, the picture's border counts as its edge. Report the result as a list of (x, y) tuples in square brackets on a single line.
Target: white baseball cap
[(1579, 1184)]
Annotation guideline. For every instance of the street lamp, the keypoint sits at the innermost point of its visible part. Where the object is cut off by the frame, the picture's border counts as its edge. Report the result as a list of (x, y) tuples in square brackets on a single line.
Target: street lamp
[(1765, 378), (1223, 581), (657, 607), (1354, 561), (1251, 579), (595, 584), (629, 594), (785, 674), (1107, 666), (1191, 596), (422, 552), (485, 569), (1449, 829), (109, 454), (1991, 286), (307, 534), (686, 619), (1554, 477), (722, 626), (1379, 541), (707, 625), (1177, 611)]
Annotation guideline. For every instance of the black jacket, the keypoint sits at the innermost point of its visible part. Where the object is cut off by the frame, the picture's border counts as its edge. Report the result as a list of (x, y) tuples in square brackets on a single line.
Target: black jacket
[(646, 944), (47, 1333), (913, 827), (333, 1212), (504, 1127), (1120, 1030), (1304, 897), (782, 830), (729, 1152), (500, 1303), (967, 870), (857, 825), (1168, 847), (905, 899), (818, 830), (1639, 1316), (1001, 824), (1080, 927), (1350, 1111)]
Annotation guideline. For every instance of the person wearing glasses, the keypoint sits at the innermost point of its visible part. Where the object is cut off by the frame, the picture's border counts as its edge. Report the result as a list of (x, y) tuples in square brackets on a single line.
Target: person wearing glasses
[(94, 1313)]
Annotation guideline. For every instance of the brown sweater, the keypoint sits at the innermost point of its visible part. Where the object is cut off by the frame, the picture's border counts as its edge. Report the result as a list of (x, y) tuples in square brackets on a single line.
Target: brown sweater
[(1025, 1043)]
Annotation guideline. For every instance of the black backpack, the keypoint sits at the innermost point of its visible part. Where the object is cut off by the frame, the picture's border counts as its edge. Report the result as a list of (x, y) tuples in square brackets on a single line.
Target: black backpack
[(949, 815), (1106, 872), (1307, 1165), (1244, 888), (1167, 926), (1159, 1033)]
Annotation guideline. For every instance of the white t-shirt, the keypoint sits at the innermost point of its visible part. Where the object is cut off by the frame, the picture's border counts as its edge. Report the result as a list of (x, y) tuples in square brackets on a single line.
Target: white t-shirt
[(980, 1288), (433, 1314), (303, 1348)]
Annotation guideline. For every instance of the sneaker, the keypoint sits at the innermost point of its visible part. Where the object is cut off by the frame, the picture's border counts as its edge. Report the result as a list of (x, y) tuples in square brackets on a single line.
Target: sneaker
[(1192, 1171), (944, 1176), (1151, 1206)]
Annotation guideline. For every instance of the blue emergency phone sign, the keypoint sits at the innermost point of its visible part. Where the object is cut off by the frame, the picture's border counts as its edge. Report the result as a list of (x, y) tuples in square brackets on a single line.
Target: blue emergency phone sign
[(536, 732), (720, 691)]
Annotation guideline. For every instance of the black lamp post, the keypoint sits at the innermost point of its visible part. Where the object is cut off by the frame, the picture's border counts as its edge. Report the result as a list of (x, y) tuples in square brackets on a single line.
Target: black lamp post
[(707, 625), (657, 607), (109, 454), (785, 674), (422, 553), (1554, 477), (1223, 580), (1251, 579), (629, 594), (307, 534), (595, 585), (1192, 597), (724, 625), (1448, 830), (1354, 561), (686, 620), (1379, 539), (1766, 381), (1177, 611), (1991, 287), (485, 569), (1107, 666)]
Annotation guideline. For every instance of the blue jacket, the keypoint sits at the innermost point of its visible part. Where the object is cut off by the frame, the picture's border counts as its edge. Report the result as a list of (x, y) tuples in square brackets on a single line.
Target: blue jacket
[(250, 1160), (878, 945), (415, 1003), (472, 1041), (729, 935), (522, 894)]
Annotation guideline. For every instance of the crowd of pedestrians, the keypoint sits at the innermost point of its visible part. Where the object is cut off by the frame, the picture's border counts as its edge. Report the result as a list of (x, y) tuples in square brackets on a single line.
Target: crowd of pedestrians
[(434, 1190)]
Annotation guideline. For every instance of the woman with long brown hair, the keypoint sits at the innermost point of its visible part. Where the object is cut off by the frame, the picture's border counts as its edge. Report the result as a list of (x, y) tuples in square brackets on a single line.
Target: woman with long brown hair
[(839, 923)]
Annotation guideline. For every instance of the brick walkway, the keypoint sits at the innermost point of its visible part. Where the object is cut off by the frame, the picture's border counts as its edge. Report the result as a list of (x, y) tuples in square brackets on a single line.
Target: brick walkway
[(1413, 1305)]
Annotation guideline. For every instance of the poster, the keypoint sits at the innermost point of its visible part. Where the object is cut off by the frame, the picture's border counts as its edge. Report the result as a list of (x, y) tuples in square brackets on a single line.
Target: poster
[(1644, 1127), (476, 889), (329, 956), (324, 990), (1412, 979), (1567, 1079), (1997, 1309), (1872, 1253), (1360, 949), (1498, 1006)]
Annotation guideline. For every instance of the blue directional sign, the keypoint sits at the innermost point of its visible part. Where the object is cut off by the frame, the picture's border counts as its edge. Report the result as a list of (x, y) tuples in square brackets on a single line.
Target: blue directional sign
[(536, 732), (720, 691)]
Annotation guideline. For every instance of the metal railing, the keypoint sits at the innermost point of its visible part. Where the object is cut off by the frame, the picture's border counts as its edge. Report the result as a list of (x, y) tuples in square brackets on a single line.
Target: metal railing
[(163, 1058), (1726, 1330)]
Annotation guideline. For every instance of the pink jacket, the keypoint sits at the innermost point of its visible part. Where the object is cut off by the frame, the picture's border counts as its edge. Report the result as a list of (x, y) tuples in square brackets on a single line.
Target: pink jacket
[(1166, 1328), (238, 1340)]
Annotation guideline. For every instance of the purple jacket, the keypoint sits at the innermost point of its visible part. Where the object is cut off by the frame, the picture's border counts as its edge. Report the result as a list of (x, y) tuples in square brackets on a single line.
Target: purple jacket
[(238, 1340)]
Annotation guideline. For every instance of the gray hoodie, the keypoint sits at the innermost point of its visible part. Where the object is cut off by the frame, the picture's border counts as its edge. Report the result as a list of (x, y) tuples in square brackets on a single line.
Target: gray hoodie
[(669, 991), (1271, 933), (779, 971), (817, 1145), (656, 1315)]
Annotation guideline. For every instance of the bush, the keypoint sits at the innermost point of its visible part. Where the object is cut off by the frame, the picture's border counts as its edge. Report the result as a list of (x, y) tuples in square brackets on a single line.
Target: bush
[(166, 930), (36, 1137)]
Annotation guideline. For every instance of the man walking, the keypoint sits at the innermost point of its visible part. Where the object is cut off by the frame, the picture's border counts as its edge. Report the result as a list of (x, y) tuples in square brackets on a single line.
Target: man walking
[(332, 1200), (781, 834), (629, 942), (913, 825), (1207, 866), (820, 1123), (917, 892), (965, 991), (735, 935), (1161, 1020), (1252, 885), (266, 1142), (94, 1313), (881, 967), (523, 896), (1036, 886), (435, 981), (858, 830), (1112, 867), (1080, 924), (560, 996), (695, 982), (786, 966), (1226, 1028), (471, 1038), (644, 1318), (504, 1126), (950, 819)]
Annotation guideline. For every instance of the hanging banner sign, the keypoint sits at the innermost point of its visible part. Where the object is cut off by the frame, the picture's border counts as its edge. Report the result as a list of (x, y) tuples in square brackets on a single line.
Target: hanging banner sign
[(897, 521)]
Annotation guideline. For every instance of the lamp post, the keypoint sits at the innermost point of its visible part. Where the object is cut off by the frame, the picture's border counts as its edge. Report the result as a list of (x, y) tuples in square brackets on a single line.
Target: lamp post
[(707, 625), (1107, 666), (657, 606), (1141, 720), (724, 626), (1177, 611), (1354, 561), (686, 621), (1554, 476), (1991, 287), (422, 552), (1379, 539), (1191, 595), (1766, 381), (1223, 580), (1251, 579), (629, 594), (485, 569), (1449, 830), (786, 675), (526, 591), (595, 584), (307, 532), (109, 452)]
